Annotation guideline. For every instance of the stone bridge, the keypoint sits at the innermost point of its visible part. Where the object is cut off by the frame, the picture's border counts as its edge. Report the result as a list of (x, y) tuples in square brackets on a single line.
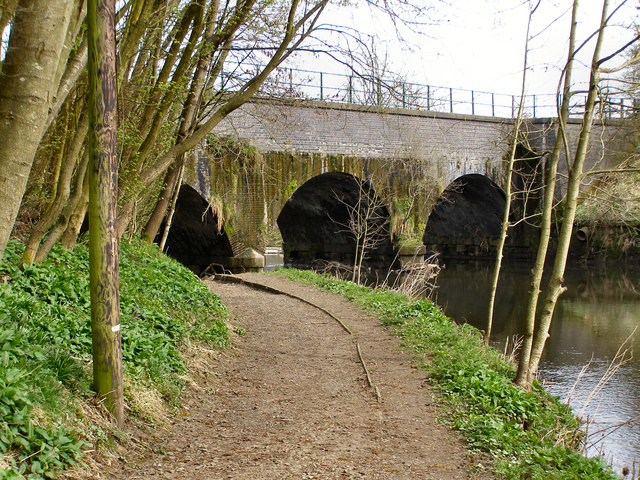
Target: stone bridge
[(288, 172)]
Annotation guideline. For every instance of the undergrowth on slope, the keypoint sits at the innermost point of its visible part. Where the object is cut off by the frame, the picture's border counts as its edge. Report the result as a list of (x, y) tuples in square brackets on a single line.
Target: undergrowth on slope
[(45, 348), (531, 434)]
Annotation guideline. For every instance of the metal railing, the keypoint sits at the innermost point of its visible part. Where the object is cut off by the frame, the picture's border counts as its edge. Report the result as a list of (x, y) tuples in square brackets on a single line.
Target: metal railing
[(372, 91)]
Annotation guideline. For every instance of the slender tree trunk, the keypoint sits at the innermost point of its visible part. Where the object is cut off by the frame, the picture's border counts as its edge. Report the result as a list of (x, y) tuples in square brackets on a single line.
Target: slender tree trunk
[(172, 211), (103, 240), (495, 277), (26, 85), (78, 214), (62, 194), (171, 184), (186, 125), (522, 375), (78, 200), (356, 229), (363, 246), (555, 287), (60, 154)]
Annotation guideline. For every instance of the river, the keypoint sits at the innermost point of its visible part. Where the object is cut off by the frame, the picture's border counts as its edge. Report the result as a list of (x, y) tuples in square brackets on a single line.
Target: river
[(599, 311)]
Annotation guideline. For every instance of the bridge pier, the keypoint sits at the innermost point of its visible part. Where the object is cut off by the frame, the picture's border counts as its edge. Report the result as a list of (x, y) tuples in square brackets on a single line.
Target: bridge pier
[(249, 260)]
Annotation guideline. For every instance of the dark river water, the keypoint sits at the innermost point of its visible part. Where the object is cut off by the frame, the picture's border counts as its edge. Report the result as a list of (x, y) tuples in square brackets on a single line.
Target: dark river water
[(599, 311)]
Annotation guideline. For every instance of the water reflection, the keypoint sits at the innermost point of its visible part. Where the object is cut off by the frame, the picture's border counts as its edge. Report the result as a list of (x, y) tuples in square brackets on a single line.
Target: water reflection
[(592, 319)]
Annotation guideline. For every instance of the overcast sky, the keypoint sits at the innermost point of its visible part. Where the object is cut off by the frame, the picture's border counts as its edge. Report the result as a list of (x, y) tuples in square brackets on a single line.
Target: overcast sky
[(479, 44)]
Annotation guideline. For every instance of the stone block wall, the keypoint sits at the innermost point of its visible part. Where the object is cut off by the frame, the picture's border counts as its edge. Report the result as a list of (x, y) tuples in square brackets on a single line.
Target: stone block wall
[(453, 145)]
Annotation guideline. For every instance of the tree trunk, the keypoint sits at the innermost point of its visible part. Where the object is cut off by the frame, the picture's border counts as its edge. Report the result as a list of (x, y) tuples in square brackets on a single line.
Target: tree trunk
[(78, 214), (555, 287), (522, 376), (172, 211), (186, 125), (495, 277), (171, 184), (26, 87), (103, 240), (62, 194), (78, 201)]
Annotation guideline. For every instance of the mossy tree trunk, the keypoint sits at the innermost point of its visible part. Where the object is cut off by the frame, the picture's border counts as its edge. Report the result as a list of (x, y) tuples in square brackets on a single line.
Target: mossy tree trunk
[(67, 226), (103, 240), (537, 331)]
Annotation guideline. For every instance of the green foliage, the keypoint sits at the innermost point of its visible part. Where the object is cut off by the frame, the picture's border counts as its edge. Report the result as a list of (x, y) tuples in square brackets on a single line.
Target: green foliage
[(45, 344), (531, 434), (291, 189), (220, 147)]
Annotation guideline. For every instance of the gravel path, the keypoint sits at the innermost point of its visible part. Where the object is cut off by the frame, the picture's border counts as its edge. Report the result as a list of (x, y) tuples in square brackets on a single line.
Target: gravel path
[(290, 400)]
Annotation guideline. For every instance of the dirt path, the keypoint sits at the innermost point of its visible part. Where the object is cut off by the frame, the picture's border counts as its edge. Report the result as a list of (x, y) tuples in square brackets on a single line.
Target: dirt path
[(290, 401)]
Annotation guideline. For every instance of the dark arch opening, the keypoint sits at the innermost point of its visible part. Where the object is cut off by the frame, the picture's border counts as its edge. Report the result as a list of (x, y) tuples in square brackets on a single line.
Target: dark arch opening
[(194, 238), (467, 217), (314, 221)]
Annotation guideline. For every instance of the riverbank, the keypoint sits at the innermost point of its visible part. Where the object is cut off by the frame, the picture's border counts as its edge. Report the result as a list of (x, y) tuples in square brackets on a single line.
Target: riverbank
[(531, 435)]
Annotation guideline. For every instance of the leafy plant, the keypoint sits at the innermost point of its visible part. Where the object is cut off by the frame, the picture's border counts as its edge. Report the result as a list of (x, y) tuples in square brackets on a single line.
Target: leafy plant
[(45, 345)]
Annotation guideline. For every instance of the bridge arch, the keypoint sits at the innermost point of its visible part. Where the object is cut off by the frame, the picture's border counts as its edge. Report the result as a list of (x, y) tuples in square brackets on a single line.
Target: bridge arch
[(196, 238), (467, 217), (314, 222)]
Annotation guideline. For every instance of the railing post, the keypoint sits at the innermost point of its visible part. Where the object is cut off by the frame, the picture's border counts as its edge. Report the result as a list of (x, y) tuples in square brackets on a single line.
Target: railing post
[(428, 97), (513, 106), (351, 89), (473, 103), (558, 101), (534, 106), (622, 108), (291, 82), (451, 99), (379, 91), (493, 105), (404, 95), (321, 87)]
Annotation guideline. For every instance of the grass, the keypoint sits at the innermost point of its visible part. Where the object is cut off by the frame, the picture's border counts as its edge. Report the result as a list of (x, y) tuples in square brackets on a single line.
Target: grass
[(531, 435), (46, 418)]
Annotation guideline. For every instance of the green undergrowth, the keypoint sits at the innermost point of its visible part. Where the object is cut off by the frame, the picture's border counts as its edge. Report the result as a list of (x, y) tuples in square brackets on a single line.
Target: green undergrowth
[(45, 349), (531, 435)]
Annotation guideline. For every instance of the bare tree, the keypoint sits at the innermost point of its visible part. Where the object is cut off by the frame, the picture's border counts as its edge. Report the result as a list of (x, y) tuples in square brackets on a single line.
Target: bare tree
[(508, 180), (367, 223), (537, 332)]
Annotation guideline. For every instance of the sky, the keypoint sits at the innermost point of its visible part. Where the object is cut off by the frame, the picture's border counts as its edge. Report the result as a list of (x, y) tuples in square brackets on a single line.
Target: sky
[(479, 44)]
